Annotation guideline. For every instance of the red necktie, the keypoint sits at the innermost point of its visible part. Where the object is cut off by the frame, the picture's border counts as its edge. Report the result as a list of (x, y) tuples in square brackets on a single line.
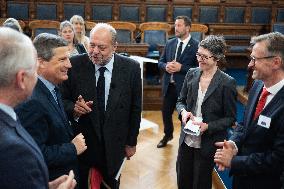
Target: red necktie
[(261, 102)]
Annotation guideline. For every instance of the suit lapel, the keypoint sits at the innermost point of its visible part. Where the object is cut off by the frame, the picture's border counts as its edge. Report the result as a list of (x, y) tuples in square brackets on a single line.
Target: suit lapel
[(173, 50), (213, 85), (195, 87), (20, 131), (50, 98), (119, 78), (186, 49)]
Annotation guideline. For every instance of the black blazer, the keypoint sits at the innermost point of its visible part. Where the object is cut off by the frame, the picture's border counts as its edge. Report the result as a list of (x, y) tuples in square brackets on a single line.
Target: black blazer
[(42, 118), (260, 155), (22, 164), (123, 111), (187, 59), (218, 108)]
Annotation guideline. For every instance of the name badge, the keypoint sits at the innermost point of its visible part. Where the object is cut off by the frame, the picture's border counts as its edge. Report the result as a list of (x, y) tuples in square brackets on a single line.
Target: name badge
[(264, 121)]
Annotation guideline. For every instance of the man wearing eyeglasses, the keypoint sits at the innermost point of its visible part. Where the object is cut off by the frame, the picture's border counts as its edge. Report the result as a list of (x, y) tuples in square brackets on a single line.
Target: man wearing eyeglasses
[(177, 58), (103, 93), (255, 152)]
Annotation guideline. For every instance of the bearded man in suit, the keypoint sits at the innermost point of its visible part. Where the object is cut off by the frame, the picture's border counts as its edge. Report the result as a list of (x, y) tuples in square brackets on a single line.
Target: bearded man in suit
[(103, 93), (177, 58), (255, 151)]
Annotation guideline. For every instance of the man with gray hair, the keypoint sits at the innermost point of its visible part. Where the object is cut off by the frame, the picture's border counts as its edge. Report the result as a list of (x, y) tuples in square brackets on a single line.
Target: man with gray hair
[(255, 152), (22, 164), (103, 92), (43, 114)]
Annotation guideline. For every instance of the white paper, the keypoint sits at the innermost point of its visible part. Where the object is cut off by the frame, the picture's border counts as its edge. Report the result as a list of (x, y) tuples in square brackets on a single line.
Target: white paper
[(264, 121), (120, 169), (192, 129)]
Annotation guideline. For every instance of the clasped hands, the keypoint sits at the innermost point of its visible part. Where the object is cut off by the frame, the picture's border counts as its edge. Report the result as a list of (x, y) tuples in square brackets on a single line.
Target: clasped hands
[(224, 154), (185, 116), (173, 67)]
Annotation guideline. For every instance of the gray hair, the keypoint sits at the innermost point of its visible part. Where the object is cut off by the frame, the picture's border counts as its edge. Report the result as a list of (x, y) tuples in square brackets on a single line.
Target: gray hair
[(274, 41), (13, 23), (16, 53), (216, 45), (107, 27), (80, 19), (46, 42)]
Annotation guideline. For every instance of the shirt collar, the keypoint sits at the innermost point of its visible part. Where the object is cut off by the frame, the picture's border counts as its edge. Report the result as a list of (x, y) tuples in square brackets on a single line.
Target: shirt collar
[(186, 40), (8, 110), (109, 65), (275, 88), (47, 83)]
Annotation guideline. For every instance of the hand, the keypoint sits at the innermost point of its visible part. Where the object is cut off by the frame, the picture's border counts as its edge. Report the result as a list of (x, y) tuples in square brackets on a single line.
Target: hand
[(176, 66), (79, 143), (203, 126), (185, 116), (170, 67), (82, 107), (130, 151), (63, 182), (223, 157)]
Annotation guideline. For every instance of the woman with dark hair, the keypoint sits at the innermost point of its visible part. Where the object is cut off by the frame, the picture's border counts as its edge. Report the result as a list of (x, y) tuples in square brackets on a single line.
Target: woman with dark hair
[(67, 32), (208, 99)]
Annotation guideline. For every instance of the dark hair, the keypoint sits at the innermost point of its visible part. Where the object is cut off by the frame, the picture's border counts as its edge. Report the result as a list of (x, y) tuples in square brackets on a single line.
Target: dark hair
[(216, 45), (46, 42), (186, 19)]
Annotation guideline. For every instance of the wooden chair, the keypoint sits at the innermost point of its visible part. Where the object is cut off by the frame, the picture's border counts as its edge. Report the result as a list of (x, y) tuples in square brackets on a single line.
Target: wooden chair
[(125, 31), (44, 26), (197, 31), (89, 26), (155, 34)]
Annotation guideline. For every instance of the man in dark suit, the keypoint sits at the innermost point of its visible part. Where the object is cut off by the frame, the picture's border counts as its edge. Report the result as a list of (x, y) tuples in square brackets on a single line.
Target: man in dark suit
[(22, 164), (103, 93), (43, 114), (255, 152), (177, 58)]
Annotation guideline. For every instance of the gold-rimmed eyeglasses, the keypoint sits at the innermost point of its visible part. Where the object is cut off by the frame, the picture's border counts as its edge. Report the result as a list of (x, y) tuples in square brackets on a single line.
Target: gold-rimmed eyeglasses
[(203, 57), (253, 59)]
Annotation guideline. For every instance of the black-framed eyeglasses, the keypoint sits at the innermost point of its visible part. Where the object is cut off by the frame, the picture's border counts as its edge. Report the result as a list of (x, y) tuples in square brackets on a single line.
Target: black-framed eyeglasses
[(253, 59), (203, 57)]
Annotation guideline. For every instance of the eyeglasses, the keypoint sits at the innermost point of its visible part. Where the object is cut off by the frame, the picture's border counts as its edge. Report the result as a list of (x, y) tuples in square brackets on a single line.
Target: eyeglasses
[(202, 56), (253, 59)]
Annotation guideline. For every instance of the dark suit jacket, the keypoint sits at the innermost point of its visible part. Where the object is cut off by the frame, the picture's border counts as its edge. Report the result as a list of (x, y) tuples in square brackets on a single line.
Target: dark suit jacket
[(42, 118), (22, 164), (260, 151), (187, 59), (123, 111), (218, 108)]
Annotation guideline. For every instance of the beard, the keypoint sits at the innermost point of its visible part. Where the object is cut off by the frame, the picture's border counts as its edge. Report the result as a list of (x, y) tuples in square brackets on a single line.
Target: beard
[(99, 59)]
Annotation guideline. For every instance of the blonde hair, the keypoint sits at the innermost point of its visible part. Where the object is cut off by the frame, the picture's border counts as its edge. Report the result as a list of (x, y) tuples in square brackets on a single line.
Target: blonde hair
[(78, 18)]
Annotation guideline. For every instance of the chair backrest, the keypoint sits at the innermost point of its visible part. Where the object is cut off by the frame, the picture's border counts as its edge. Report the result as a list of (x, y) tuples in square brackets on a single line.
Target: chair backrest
[(129, 13), (260, 15), (102, 12), (280, 15), (278, 27), (44, 26), (46, 11), (197, 31), (73, 9), (234, 15), (18, 10), (89, 26), (156, 13), (154, 32), (208, 14), (125, 31)]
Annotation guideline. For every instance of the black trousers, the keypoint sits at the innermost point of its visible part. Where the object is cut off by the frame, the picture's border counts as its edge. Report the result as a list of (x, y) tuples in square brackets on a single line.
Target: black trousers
[(194, 171), (169, 105)]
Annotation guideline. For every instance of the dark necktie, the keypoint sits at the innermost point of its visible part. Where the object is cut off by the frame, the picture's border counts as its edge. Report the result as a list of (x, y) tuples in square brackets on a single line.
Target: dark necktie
[(261, 102), (101, 94), (59, 101), (179, 51)]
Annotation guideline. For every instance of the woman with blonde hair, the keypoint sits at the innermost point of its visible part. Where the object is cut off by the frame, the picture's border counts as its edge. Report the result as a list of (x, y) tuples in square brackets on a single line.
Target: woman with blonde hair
[(67, 32), (80, 32)]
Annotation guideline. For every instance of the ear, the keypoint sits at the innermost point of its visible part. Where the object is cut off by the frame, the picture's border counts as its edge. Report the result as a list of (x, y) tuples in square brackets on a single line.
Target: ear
[(20, 79), (115, 46), (41, 63), (277, 63)]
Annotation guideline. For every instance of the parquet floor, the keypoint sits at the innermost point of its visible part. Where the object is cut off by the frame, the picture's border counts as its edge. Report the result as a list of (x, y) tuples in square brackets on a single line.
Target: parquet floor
[(152, 168)]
